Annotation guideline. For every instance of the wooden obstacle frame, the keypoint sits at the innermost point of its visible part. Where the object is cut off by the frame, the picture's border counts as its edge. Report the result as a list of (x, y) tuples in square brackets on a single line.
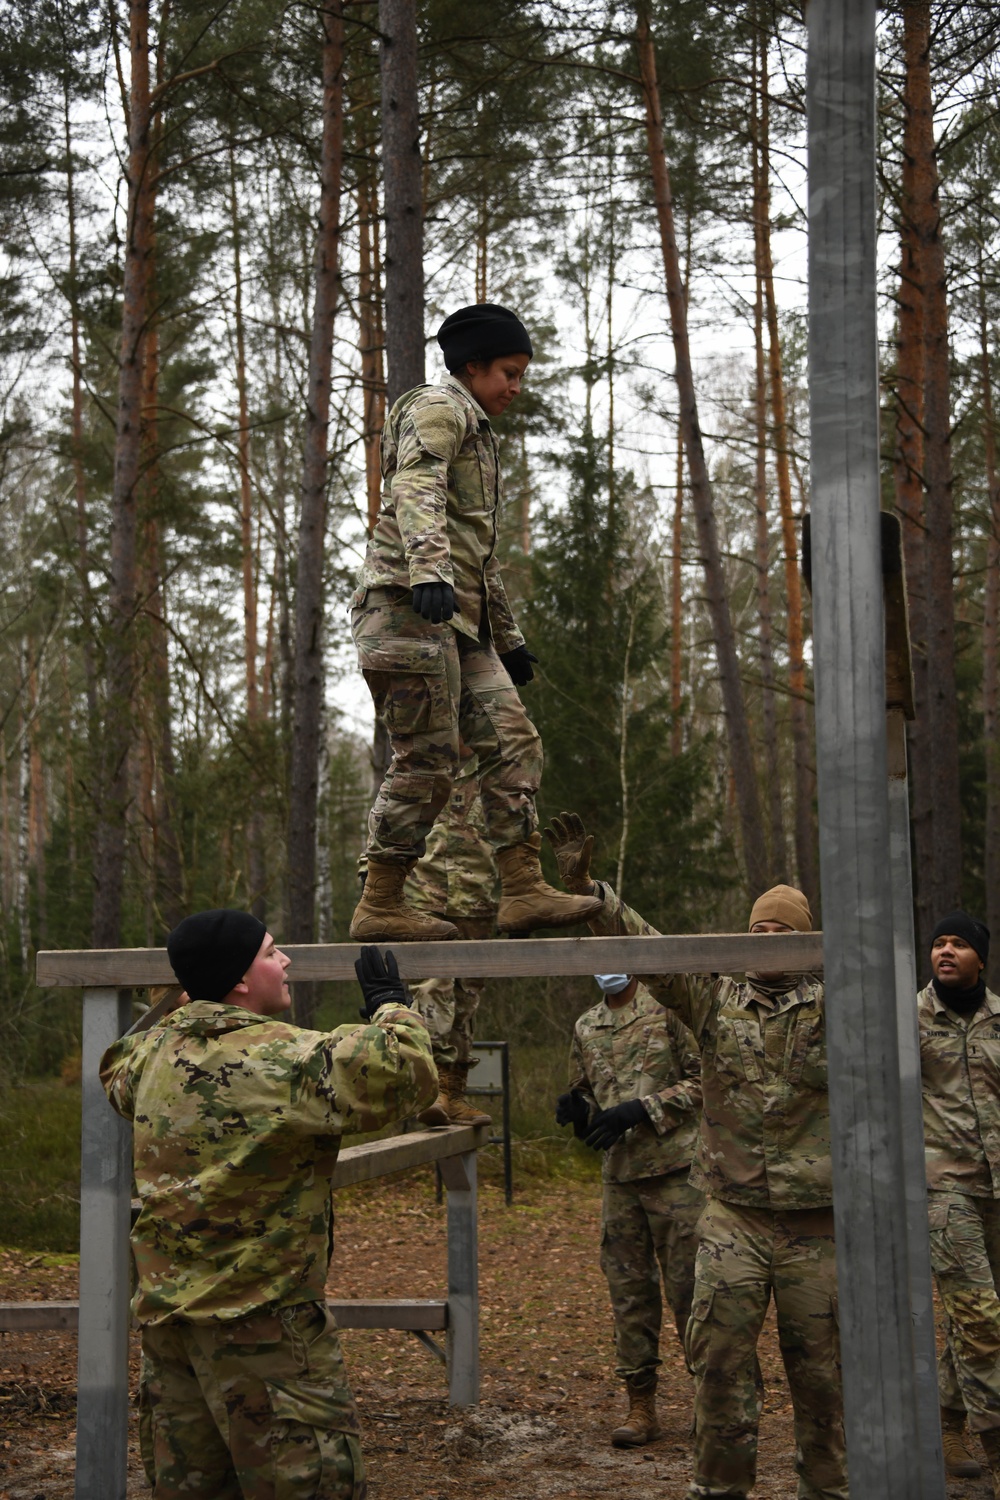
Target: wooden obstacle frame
[(107, 977)]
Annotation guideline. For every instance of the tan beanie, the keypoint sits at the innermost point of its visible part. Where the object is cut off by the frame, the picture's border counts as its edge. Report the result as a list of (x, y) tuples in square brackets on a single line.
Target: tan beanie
[(783, 903)]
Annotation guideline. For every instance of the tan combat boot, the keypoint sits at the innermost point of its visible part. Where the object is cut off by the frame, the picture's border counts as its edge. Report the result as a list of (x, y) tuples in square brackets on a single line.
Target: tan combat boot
[(526, 898), (640, 1426), (460, 1111), (958, 1461), (383, 916), (991, 1447)]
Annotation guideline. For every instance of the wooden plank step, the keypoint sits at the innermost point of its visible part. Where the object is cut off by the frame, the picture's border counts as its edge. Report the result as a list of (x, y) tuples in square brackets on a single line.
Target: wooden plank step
[(493, 958), (427, 1316)]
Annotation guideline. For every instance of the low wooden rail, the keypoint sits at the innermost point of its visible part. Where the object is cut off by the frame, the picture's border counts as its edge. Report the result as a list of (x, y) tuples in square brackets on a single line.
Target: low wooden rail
[(106, 977)]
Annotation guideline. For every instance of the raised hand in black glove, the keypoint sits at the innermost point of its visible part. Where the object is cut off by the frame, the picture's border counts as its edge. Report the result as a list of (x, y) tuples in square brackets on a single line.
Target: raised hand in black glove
[(518, 664), (573, 1109), (611, 1124), (435, 601), (379, 980)]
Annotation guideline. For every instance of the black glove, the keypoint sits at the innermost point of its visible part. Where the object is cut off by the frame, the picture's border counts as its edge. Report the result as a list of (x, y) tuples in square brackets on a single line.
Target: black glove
[(611, 1124), (435, 601), (518, 664), (573, 1109), (379, 980)]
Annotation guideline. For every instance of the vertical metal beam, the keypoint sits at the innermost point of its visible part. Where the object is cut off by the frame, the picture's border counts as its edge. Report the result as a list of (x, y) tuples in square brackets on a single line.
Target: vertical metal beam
[(105, 1196), (463, 1289), (912, 1117), (868, 1165)]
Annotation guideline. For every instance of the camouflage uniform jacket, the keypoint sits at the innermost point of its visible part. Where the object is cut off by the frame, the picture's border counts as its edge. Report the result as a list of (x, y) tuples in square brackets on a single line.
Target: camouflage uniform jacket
[(640, 1051), (960, 1068), (765, 1125), (457, 874), (237, 1124), (441, 498)]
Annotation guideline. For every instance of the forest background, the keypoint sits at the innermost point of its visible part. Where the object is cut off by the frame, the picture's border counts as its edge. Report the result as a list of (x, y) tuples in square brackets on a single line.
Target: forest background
[(228, 235)]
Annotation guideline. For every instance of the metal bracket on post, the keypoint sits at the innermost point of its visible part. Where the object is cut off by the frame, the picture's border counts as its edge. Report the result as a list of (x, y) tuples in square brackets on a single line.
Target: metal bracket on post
[(105, 1199), (463, 1283)]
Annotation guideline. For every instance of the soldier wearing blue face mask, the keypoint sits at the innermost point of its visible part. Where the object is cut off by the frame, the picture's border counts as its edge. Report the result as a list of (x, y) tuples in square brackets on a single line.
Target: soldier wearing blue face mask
[(635, 1094)]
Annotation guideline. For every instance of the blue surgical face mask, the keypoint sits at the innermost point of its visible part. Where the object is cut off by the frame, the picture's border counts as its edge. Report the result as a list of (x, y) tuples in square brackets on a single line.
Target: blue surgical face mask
[(612, 984)]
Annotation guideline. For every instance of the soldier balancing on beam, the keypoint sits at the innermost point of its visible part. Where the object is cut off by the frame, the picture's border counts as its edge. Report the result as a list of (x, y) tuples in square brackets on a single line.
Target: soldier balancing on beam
[(237, 1121), (635, 1094), (437, 641), (960, 1067), (763, 1162)]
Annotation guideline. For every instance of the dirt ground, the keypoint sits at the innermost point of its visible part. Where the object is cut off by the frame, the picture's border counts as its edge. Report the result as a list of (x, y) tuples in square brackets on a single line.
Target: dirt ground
[(549, 1394)]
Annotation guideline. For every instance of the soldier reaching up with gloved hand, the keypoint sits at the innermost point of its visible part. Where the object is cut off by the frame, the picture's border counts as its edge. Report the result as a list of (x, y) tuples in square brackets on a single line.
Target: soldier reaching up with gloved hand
[(635, 1094), (437, 641), (763, 1162)]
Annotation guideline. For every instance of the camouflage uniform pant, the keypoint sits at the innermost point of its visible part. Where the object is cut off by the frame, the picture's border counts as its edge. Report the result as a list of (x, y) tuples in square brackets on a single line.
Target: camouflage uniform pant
[(648, 1231), (448, 1007), (254, 1409), (965, 1254), (431, 685), (745, 1256)]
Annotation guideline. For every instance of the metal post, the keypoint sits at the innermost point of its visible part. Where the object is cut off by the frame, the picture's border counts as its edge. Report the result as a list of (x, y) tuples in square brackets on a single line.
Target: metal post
[(912, 1117), (508, 1166), (868, 1164), (463, 1286), (105, 1197)]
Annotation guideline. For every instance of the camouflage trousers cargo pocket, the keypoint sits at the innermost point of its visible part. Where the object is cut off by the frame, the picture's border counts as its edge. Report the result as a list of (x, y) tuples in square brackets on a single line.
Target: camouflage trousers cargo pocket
[(408, 681), (965, 1255), (258, 1408)]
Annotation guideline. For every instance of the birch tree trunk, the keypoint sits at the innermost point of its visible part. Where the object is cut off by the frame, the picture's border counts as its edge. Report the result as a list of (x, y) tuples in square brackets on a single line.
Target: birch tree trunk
[(805, 777), (308, 685), (117, 727), (940, 705), (737, 726)]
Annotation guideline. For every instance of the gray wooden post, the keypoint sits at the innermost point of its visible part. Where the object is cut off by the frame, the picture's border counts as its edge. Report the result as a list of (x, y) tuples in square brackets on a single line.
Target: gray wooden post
[(912, 1117), (870, 1204), (459, 1175), (105, 1196)]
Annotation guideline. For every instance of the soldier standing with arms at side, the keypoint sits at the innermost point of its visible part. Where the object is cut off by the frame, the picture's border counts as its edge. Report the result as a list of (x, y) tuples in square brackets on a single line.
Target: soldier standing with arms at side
[(237, 1120), (960, 1067), (437, 641), (635, 1094), (763, 1162)]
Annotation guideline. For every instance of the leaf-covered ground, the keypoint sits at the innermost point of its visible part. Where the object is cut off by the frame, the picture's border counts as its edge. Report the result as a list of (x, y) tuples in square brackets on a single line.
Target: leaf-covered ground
[(549, 1394)]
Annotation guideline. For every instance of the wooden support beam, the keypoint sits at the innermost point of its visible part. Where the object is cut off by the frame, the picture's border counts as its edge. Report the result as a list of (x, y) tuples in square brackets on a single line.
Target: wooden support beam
[(396, 1153), (495, 958), (407, 1314)]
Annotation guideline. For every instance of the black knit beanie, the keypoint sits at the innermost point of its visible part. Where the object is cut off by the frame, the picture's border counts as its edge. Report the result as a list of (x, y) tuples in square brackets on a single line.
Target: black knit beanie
[(211, 951), (484, 331), (960, 924)]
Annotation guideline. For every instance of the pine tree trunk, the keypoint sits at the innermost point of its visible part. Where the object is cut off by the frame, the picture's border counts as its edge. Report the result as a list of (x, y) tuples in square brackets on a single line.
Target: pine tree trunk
[(676, 605), (737, 726), (940, 705), (769, 715), (805, 821), (256, 870), (117, 731), (371, 336), (402, 190), (991, 640), (76, 434), (308, 686)]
